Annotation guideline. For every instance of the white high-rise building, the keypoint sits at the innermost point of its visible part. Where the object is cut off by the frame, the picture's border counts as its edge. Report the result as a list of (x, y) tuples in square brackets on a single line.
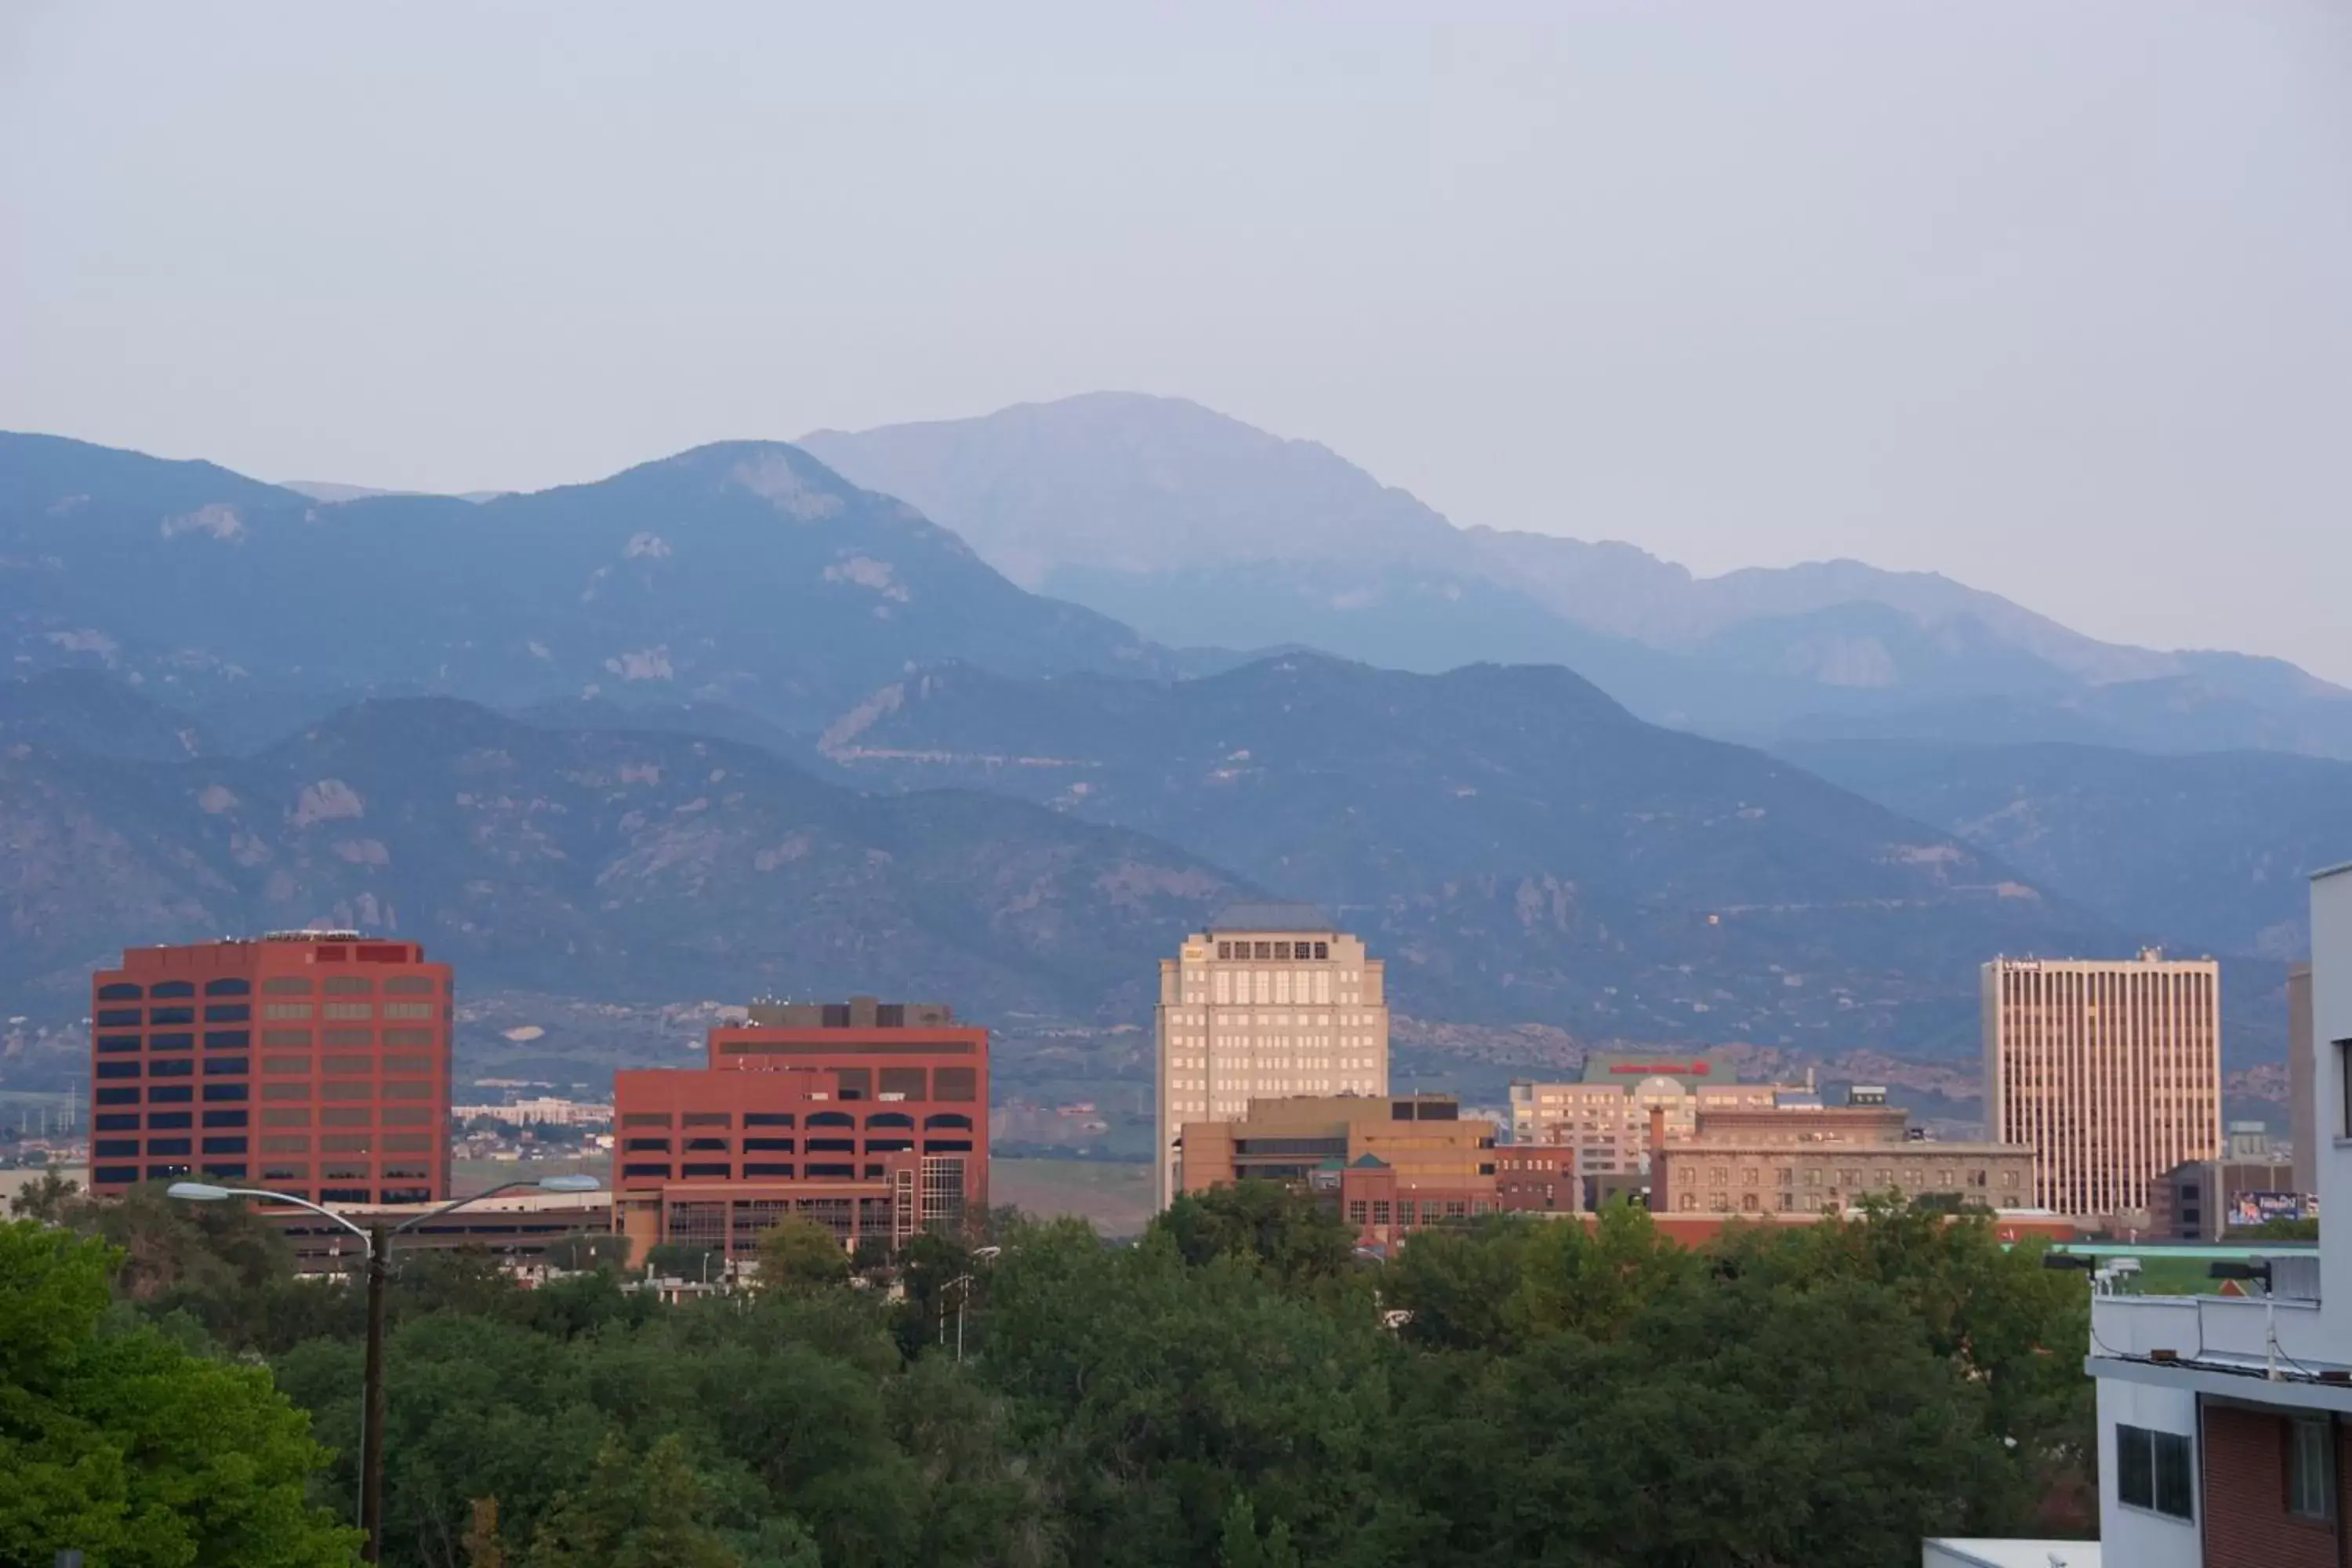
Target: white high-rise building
[(2110, 1069), (1268, 1002)]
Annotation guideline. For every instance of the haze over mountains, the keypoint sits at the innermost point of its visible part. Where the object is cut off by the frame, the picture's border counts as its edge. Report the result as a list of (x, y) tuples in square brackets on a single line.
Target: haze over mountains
[(767, 728), (1199, 529), (745, 572)]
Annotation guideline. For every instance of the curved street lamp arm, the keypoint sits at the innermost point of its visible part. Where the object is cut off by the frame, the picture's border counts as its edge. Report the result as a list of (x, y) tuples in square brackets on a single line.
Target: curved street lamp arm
[(360, 1231), (456, 1204)]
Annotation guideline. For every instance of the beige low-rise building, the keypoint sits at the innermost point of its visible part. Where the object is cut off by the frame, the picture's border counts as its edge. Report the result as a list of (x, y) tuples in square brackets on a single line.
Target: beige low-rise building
[(1826, 1160), (1392, 1163), (1605, 1114)]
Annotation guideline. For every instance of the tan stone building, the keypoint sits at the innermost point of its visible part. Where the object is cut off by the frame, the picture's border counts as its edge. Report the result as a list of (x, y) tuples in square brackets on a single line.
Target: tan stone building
[(1826, 1160), (2109, 1069), (1269, 1002), (1393, 1163), (1605, 1113)]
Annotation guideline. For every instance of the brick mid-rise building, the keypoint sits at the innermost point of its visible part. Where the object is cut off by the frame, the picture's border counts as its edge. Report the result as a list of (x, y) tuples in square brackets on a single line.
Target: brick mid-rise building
[(870, 1118), (314, 1063), (1392, 1164)]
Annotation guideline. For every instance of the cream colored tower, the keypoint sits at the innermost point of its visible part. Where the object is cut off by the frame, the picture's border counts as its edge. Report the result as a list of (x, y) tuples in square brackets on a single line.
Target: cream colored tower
[(2110, 1069), (1268, 1002)]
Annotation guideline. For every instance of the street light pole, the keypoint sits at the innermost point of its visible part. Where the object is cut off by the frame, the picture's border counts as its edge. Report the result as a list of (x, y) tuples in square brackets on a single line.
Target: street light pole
[(373, 1417), (373, 1412)]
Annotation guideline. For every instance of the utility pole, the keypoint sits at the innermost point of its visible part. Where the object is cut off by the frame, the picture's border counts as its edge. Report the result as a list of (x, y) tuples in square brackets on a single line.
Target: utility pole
[(371, 1432)]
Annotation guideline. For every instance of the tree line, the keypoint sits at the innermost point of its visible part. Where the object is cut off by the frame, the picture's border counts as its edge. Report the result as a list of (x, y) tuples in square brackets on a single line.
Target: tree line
[(1238, 1388)]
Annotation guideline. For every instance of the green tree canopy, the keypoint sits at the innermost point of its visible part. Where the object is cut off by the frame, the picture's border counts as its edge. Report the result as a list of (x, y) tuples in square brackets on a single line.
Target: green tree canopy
[(114, 1440), (800, 1255)]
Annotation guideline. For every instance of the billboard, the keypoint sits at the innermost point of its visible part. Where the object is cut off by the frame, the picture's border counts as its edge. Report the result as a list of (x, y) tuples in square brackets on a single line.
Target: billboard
[(2254, 1208)]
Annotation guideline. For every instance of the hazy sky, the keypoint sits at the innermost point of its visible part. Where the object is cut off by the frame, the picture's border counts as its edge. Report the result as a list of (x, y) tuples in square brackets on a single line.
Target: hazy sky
[(2054, 296)]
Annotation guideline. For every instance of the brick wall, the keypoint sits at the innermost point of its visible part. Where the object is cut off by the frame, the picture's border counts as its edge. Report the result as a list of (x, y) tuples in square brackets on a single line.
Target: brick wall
[(2246, 1521)]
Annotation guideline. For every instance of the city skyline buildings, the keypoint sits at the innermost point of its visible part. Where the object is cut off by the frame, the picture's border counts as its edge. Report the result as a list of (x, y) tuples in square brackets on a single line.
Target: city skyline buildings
[(312, 1062), (1271, 1000), (2109, 1069), (1605, 1111), (869, 1118)]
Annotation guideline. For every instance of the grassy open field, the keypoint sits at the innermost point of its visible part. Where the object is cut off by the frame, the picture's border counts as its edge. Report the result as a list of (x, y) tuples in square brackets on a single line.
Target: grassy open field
[(468, 1177), (1114, 1196)]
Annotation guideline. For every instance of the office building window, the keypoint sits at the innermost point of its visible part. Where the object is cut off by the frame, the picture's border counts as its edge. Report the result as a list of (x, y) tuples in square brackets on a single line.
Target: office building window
[(2344, 1077), (2153, 1472), (2310, 1469)]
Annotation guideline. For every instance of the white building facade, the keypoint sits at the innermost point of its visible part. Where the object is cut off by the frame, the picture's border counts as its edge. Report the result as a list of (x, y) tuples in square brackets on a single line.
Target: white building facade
[(1269, 1002), (2225, 1423), (2109, 1069)]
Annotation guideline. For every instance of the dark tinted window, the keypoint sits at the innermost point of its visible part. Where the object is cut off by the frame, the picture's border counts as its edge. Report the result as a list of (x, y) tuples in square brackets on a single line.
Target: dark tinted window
[(117, 1096), (159, 1120), (172, 988), (167, 1146), (231, 986), (227, 1040), (223, 1145), (228, 1013), (121, 990), (768, 1119), (117, 1044), (226, 1066), (118, 1017), (225, 1091), (171, 1042), (117, 1122), (226, 1118), (171, 1015), (170, 1094)]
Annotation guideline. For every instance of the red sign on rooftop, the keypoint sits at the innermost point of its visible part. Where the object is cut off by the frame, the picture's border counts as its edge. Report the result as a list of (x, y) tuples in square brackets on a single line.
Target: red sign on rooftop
[(1647, 1069)]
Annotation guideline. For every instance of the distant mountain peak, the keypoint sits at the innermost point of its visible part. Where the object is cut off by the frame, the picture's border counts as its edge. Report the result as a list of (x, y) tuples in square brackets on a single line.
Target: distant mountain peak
[(1198, 529)]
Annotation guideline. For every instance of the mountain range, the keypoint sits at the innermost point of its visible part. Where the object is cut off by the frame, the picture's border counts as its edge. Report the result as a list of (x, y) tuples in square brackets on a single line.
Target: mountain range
[(1514, 843), (1199, 529), (730, 721), (597, 863), (742, 572)]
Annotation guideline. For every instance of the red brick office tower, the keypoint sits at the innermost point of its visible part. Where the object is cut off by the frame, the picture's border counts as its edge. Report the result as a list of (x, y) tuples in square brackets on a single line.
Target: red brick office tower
[(315, 1063), (870, 1118)]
